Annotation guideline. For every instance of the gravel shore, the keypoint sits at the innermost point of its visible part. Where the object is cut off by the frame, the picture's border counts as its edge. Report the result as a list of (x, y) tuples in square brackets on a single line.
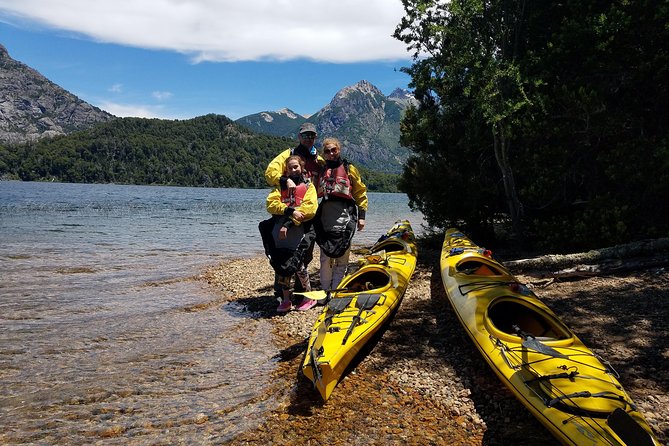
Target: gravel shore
[(425, 383)]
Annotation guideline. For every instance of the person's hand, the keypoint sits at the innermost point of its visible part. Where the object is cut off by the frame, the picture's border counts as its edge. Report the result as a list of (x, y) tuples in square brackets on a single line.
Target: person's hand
[(361, 224), (290, 184), (298, 215), (283, 233)]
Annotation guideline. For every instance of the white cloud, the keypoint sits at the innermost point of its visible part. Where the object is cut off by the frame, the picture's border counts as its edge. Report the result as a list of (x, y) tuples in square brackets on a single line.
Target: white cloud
[(132, 110), (116, 88), (232, 30), (162, 95)]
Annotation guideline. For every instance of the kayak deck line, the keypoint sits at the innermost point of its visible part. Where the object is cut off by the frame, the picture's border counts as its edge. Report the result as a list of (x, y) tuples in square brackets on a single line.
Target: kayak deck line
[(569, 356), (606, 368), (364, 302)]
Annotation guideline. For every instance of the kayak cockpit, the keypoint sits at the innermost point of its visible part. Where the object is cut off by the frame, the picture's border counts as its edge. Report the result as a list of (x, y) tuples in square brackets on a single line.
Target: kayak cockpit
[(370, 279), (392, 245), (476, 267), (507, 314)]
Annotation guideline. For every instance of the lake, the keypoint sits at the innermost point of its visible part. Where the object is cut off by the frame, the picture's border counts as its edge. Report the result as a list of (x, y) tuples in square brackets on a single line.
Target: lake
[(95, 286)]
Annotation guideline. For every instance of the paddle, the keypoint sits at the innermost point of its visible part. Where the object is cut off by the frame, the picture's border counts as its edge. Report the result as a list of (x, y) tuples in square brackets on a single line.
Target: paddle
[(363, 302), (628, 429), (315, 351), (320, 294), (529, 341), (336, 306)]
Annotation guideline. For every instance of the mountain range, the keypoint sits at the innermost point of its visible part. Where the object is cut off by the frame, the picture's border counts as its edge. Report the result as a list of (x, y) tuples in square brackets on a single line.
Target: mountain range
[(365, 120)]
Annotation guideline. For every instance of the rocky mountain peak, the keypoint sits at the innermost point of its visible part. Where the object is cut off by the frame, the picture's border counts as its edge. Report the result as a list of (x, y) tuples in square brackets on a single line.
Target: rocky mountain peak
[(32, 107), (362, 97), (361, 116), (403, 96), (363, 87), (288, 113), (400, 93)]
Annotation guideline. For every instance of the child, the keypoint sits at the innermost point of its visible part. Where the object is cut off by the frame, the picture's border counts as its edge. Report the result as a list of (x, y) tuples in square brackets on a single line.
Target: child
[(291, 208)]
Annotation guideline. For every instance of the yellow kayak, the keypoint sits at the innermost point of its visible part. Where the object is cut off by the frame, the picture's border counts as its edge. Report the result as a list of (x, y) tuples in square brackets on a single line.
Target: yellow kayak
[(571, 391), (367, 299)]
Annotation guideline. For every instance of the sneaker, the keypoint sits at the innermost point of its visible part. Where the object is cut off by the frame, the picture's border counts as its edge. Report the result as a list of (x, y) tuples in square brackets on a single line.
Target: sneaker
[(284, 307), (306, 304)]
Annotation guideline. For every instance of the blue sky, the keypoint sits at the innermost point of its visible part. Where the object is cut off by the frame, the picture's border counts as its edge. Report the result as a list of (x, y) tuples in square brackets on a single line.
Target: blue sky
[(177, 59)]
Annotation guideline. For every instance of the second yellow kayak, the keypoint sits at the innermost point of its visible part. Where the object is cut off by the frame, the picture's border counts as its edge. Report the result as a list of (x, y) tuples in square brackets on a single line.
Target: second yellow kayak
[(367, 299), (568, 388)]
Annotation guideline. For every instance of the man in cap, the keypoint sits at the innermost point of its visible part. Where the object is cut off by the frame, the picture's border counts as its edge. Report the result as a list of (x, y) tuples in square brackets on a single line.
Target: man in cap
[(306, 150)]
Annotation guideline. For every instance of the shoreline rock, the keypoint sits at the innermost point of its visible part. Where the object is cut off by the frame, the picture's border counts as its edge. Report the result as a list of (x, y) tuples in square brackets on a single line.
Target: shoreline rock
[(425, 383)]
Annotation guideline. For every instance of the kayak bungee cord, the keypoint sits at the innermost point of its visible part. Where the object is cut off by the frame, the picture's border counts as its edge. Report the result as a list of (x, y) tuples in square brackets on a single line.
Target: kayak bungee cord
[(571, 354), (583, 414), (587, 394), (482, 285)]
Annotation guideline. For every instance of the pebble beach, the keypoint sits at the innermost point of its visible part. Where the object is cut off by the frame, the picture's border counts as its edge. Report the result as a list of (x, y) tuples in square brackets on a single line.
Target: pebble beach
[(424, 382)]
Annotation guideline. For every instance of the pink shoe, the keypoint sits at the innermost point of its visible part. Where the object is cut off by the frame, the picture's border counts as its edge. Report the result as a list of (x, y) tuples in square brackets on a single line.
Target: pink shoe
[(306, 304), (284, 307)]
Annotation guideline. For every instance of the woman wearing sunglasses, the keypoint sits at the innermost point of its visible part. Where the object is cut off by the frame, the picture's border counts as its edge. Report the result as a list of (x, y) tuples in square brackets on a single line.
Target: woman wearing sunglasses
[(342, 209)]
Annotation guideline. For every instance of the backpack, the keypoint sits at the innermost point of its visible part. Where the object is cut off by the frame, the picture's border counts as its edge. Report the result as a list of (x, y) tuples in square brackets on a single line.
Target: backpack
[(335, 224)]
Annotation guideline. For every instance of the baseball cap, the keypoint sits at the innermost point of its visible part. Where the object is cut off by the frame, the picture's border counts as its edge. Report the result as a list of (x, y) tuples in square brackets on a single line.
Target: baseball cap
[(308, 127)]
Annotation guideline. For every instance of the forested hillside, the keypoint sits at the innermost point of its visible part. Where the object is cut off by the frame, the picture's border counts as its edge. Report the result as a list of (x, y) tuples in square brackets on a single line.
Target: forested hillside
[(205, 151), (210, 151)]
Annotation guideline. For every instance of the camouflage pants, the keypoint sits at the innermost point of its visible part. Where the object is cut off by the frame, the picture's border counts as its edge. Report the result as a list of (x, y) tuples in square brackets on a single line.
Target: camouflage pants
[(302, 283)]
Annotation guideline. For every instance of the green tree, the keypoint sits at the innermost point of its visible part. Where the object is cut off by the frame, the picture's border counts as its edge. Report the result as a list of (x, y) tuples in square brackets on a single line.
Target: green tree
[(544, 113)]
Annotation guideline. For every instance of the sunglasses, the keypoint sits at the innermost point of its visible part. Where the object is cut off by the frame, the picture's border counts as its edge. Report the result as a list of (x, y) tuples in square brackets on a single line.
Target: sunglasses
[(330, 151), (308, 135)]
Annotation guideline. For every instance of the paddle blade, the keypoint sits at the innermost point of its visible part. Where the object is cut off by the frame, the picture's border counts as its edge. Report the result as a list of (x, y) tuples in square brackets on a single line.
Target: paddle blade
[(367, 301), (313, 295), (338, 304), (537, 346), (530, 342)]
